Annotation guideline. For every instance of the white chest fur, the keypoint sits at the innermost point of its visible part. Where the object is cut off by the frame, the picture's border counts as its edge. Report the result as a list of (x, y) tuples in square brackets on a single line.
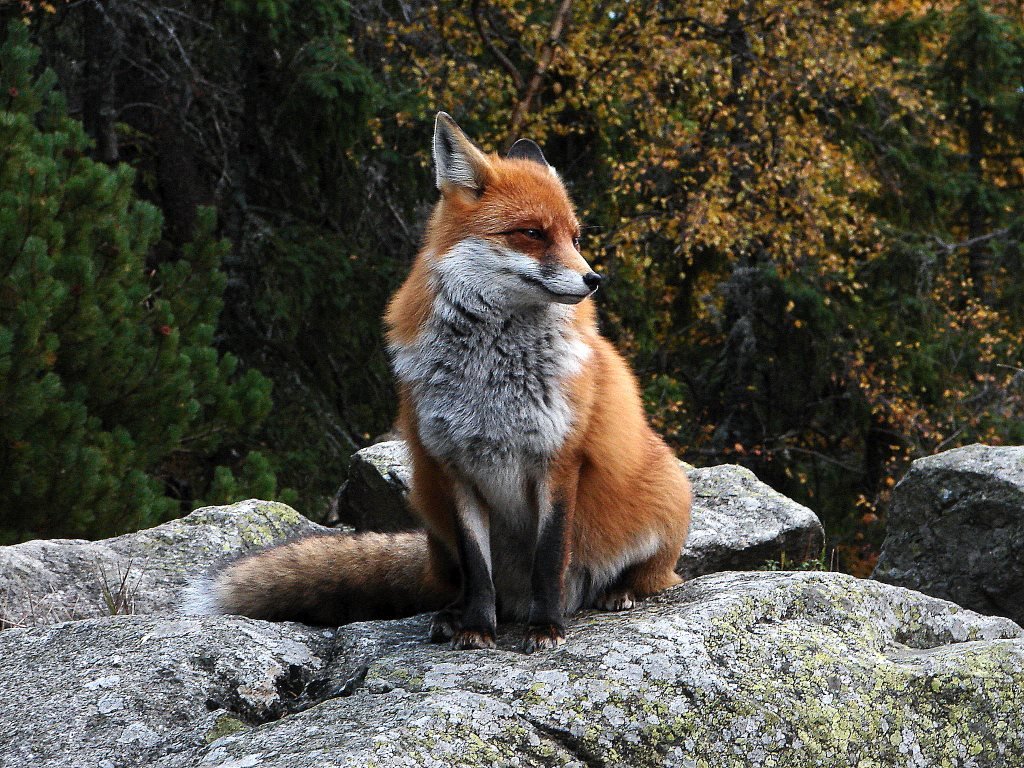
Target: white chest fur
[(488, 375)]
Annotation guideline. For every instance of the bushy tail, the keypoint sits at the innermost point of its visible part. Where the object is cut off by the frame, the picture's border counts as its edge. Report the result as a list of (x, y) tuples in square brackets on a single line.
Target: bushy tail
[(330, 579)]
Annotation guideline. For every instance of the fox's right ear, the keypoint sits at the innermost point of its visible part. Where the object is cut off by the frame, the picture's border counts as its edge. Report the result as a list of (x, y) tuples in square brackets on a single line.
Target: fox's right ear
[(456, 161)]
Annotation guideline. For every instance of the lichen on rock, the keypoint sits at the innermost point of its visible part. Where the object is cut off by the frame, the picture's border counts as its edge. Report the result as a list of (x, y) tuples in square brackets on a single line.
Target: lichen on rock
[(752, 669)]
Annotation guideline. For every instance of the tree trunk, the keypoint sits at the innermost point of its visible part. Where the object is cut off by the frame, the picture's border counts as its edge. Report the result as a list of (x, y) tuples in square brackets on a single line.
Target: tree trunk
[(977, 253), (102, 55)]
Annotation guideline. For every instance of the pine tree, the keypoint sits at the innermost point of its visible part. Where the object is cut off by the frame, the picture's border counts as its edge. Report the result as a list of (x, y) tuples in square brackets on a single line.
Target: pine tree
[(110, 386)]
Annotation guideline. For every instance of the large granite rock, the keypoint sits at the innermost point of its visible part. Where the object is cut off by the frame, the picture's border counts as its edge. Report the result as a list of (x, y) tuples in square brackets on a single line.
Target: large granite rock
[(741, 523), (956, 529), (755, 669), (47, 581), (738, 521), (128, 690), (373, 496)]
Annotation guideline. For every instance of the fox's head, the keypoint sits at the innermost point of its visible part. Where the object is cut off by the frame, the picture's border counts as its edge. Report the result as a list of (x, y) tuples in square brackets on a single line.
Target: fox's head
[(504, 229)]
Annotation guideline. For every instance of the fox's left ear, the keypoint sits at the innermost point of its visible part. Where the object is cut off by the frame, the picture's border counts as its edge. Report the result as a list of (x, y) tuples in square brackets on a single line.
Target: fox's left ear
[(456, 161), (524, 149)]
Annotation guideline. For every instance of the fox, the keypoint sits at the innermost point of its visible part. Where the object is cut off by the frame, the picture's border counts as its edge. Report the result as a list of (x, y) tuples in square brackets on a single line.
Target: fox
[(540, 484)]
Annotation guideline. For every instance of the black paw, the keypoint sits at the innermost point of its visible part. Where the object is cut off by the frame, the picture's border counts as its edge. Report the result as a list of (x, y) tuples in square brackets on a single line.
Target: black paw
[(543, 637), (469, 639)]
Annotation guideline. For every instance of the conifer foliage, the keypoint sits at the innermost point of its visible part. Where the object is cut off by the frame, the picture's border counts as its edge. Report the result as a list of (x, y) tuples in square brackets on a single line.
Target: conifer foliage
[(811, 216), (111, 390)]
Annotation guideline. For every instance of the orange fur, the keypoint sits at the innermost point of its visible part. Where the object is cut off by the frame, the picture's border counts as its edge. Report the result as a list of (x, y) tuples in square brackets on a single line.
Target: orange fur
[(621, 489), (625, 481)]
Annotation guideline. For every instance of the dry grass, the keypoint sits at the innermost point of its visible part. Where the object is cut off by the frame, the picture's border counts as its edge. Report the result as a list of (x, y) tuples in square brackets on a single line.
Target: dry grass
[(119, 594), (22, 604)]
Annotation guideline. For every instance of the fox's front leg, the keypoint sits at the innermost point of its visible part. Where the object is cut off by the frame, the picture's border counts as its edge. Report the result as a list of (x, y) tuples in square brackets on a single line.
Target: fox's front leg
[(477, 621), (550, 559)]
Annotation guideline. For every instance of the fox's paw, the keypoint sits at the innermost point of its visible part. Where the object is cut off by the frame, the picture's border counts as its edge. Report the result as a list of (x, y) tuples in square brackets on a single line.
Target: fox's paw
[(616, 600), (469, 639), (444, 625), (543, 637)]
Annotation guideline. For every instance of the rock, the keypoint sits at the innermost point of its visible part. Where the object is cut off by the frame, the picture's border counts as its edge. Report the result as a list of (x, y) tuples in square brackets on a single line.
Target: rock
[(127, 690), (956, 529), (741, 523), (373, 496), (738, 521), (752, 669), (44, 582)]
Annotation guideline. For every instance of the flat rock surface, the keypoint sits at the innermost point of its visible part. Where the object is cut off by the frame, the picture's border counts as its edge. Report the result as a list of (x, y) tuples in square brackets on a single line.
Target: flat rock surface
[(731, 669), (956, 529)]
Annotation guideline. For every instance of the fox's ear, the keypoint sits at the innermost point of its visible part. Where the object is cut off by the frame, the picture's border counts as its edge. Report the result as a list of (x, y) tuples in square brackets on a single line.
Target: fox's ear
[(456, 160), (524, 149)]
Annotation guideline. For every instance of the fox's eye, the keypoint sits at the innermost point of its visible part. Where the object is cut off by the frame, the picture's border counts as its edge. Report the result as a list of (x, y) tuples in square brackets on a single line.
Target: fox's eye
[(576, 243), (533, 234)]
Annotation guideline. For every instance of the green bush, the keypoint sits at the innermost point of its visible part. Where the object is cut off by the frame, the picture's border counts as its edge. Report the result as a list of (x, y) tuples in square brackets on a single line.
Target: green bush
[(114, 404)]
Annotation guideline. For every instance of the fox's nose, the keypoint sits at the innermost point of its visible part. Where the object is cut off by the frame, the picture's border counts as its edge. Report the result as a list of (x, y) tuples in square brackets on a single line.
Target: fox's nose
[(592, 280)]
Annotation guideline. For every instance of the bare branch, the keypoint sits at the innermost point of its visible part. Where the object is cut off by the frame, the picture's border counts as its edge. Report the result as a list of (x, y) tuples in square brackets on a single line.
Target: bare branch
[(547, 56), (948, 248), (488, 40)]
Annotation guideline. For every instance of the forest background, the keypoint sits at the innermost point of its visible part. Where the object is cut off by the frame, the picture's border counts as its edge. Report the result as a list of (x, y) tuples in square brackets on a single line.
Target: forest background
[(810, 213)]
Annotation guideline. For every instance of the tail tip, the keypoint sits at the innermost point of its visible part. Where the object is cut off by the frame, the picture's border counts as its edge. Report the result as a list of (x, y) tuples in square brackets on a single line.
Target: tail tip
[(201, 598)]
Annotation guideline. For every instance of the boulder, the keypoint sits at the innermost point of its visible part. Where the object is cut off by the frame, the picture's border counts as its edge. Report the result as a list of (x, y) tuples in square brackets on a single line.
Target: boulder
[(738, 521), (373, 496), (47, 581), (955, 529), (741, 523), (746, 669), (129, 690)]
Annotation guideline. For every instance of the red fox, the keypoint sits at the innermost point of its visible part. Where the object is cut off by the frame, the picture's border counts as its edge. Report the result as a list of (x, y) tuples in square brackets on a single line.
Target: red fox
[(541, 486)]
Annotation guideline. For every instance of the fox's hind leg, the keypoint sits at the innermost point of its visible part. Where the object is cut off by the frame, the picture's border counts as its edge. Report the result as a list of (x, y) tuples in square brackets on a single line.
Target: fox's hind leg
[(617, 598), (641, 580), (657, 574), (671, 506)]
